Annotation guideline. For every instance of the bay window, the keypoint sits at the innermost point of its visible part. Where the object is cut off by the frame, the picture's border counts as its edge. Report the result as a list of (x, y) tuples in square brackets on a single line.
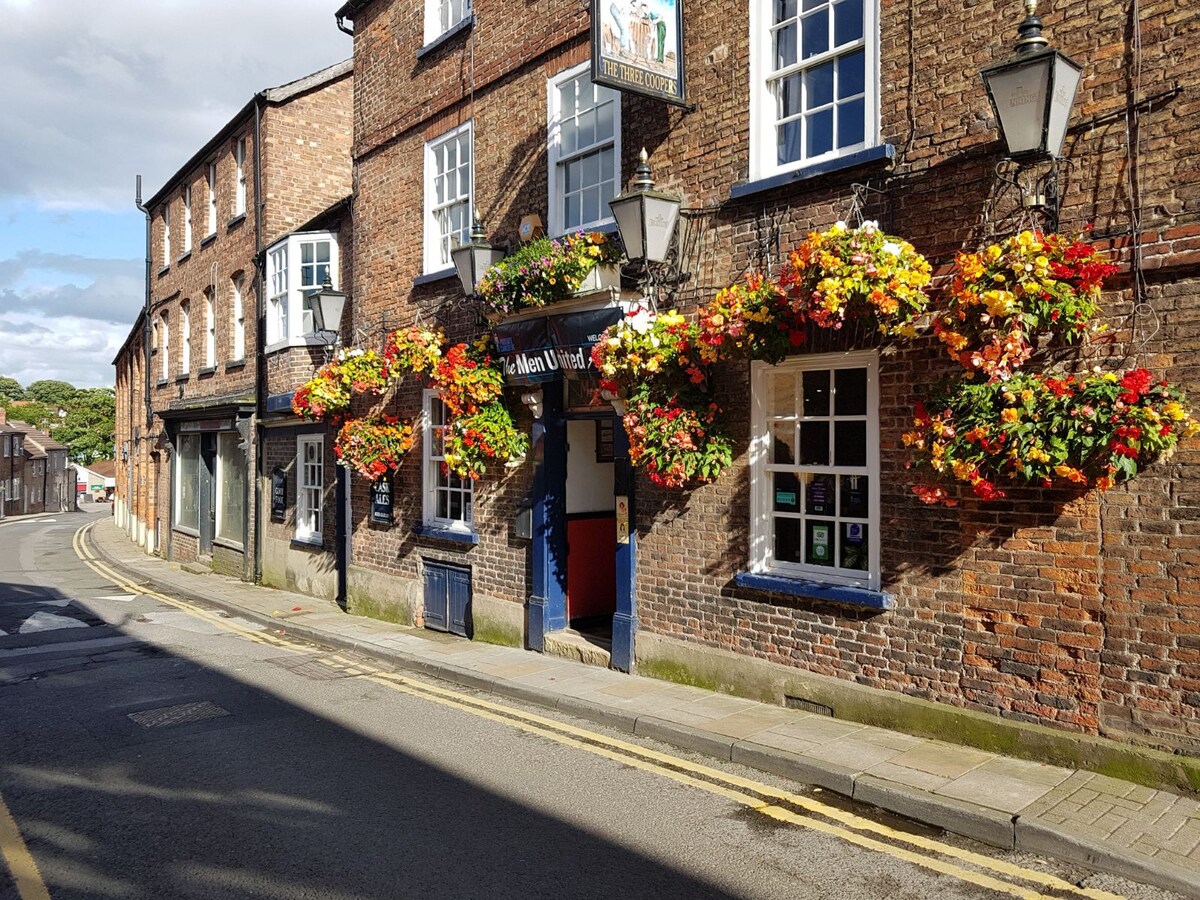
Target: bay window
[(297, 266)]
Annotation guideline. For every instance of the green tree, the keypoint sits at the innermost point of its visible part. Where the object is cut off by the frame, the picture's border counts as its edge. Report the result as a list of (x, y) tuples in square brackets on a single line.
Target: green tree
[(10, 389), (39, 415), (52, 393), (90, 425)]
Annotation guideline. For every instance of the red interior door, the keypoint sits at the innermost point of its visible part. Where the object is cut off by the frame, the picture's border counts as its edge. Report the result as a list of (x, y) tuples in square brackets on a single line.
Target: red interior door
[(591, 565)]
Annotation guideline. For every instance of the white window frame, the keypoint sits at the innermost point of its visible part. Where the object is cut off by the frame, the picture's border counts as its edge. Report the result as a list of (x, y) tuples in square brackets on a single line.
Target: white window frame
[(164, 345), (309, 516), (239, 195), (237, 346), (289, 317), (187, 219), (435, 480), (556, 159), (438, 14), (219, 480), (212, 198), (185, 331), (210, 329), (764, 160), (434, 236), (761, 468), (166, 219)]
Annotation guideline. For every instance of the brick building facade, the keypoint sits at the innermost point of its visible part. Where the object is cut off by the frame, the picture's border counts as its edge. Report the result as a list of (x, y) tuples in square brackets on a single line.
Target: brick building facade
[(1073, 612), (35, 474), (226, 302)]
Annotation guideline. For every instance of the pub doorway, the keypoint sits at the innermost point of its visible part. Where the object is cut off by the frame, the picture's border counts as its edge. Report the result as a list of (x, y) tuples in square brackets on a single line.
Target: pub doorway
[(590, 512)]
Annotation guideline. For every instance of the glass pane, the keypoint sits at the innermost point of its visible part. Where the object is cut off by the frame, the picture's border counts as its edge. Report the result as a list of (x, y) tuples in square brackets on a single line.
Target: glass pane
[(788, 540), (587, 128), (572, 173), (815, 36), (787, 493), (852, 75), (856, 494), (783, 443), (608, 165), (306, 253), (818, 86), (591, 169), (854, 546), (455, 505), (850, 444), (814, 443), (816, 392), (784, 10), (789, 142), (819, 538), (323, 251), (322, 273), (847, 22), (851, 124), (468, 514), (811, 4), (569, 136), (783, 395), (851, 385), (820, 496), (573, 216), (604, 121), (443, 505), (789, 96), (188, 513), (785, 46), (820, 133), (451, 156), (591, 204)]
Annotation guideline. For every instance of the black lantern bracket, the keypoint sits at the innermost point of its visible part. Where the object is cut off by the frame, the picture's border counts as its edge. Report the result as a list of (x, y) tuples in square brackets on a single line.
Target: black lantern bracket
[(1027, 195)]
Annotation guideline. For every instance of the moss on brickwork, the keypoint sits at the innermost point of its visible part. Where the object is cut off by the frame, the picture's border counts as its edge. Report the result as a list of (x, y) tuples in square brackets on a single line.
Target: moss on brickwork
[(361, 604), (494, 632)]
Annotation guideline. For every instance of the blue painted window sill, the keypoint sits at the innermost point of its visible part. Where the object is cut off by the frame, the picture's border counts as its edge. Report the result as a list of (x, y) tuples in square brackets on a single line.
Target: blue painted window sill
[(818, 590), (440, 275), (457, 28), (861, 158), (446, 534)]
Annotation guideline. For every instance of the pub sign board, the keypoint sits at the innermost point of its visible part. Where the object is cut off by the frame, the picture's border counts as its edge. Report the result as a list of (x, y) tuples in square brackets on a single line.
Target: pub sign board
[(278, 495), (637, 46), (381, 501)]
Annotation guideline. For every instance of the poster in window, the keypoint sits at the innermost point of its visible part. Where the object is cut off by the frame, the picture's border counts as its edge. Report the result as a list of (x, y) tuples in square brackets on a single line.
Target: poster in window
[(278, 495), (820, 543), (820, 495), (637, 46), (381, 502)]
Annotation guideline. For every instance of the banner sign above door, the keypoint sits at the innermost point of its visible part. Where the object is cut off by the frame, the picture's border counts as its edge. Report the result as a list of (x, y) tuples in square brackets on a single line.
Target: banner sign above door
[(535, 351), (637, 46)]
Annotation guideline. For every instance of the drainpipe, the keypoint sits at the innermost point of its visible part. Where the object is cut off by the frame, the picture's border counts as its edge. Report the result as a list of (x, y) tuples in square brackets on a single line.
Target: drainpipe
[(146, 324), (260, 364)]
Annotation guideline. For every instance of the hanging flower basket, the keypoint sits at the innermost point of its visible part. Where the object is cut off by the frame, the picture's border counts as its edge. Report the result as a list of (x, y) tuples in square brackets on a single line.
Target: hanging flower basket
[(546, 271), (414, 349), (645, 346), (1047, 430), (373, 446), (754, 320), (327, 394), (1026, 293), (485, 435), (468, 377), (677, 438), (844, 274)]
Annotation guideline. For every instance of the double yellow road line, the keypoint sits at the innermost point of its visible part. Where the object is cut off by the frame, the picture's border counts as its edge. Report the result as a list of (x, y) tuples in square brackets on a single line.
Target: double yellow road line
[(977, 869)]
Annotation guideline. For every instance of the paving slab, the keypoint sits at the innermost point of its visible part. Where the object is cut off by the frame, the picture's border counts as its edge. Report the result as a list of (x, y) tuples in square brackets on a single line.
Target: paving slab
[(991, 787), (946, 760)]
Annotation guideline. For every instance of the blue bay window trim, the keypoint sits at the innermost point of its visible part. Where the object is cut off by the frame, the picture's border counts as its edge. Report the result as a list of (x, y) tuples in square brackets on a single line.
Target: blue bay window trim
[(818, 590), (861, 158), (446, 534)]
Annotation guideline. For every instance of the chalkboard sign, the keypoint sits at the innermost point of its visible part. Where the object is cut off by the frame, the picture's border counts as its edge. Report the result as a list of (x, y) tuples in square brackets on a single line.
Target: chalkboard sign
[(381, 501), (278, 495)]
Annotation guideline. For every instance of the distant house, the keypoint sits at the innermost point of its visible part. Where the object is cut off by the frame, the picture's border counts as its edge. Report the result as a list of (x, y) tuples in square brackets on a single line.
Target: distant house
[(97, 479)]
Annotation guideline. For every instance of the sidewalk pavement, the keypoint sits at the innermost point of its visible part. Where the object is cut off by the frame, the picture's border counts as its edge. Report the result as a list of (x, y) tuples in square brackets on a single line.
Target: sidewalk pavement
[(1115, 826)]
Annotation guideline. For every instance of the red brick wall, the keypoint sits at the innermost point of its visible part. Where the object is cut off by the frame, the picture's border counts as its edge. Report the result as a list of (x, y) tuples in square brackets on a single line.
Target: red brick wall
[(1044, 608)]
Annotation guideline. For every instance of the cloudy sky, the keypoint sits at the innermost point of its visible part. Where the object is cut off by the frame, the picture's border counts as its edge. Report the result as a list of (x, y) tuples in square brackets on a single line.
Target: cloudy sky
[(93, 93)]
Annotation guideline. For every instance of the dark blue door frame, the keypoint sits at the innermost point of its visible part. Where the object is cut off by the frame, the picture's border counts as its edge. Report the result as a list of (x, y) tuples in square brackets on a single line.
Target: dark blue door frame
[(547, 610)]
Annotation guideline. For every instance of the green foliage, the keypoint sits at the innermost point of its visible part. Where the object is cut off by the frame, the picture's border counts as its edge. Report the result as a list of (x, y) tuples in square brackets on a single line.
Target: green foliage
[(52, 393), (10, 389), (545, 271), (90, 424)]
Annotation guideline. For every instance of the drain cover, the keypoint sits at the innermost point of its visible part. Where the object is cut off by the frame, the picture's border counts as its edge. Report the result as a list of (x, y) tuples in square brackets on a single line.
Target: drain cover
[(311, 667), (167, 716)]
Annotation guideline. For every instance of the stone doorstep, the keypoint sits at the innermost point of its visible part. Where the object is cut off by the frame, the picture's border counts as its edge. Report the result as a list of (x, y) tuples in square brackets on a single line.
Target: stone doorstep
[(574, 646)]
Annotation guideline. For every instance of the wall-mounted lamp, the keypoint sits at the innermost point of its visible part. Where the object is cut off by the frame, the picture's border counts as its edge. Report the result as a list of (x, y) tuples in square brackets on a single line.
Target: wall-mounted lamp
[(646, 218), (474, 258), (327, 306), (533, 399), (1032, 92)]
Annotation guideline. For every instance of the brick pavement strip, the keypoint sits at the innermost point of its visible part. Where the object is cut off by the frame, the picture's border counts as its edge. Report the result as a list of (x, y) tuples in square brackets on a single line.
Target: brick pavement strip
[(1101, 822)]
